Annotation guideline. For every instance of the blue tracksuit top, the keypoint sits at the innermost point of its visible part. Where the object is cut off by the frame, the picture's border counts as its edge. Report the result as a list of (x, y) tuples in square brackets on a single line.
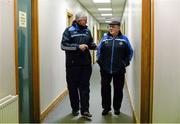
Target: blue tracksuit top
[(114, 54)]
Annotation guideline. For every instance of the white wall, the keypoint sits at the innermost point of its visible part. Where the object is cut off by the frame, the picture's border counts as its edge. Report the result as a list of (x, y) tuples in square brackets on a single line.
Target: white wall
[(132, 21), (7, 48), (52, 23), (167, 61)]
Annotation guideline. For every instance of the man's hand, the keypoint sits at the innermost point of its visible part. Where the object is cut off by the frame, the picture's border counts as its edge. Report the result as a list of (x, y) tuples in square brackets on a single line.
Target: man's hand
[(93, 46), (83, 47)]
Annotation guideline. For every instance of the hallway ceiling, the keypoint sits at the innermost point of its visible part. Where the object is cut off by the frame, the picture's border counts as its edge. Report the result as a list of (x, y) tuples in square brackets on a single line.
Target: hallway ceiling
[(116, 5)]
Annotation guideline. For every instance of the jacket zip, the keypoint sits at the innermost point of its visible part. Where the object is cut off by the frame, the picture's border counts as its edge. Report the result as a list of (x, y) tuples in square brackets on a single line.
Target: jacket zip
[(112, 56)]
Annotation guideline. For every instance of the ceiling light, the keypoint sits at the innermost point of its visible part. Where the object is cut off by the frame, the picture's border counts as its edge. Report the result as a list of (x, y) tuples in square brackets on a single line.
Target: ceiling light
[(108, 21), (105, 9), (101, 1), (106, 14)]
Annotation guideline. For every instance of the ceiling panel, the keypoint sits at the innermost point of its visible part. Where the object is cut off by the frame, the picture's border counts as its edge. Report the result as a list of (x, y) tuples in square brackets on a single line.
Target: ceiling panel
[(116, 5), (119, 2)]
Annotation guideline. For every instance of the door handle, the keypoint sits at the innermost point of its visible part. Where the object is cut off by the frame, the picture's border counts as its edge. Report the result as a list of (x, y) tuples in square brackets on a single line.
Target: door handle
[(20, 67)]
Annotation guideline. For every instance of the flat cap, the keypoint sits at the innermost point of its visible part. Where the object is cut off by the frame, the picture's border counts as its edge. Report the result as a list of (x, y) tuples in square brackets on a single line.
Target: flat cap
[(115, 23)]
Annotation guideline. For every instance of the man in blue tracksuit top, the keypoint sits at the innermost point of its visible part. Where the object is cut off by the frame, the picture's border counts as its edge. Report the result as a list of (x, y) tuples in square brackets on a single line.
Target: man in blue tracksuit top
[(113, 56), (77, 41)]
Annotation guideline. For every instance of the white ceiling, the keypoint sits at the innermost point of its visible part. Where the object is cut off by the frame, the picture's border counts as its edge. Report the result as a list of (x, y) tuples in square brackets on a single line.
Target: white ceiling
[(116, 5)]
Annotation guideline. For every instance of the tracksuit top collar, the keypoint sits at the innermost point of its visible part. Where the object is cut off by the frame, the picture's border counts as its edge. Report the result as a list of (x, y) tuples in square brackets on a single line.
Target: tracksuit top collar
[(110, 35), (78, 27)]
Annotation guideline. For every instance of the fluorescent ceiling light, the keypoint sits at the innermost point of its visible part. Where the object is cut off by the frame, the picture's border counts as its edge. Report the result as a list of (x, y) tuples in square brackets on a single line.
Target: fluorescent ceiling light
[(105, 9), (106, 14), (101, 18), (108, 21), (101, 1)]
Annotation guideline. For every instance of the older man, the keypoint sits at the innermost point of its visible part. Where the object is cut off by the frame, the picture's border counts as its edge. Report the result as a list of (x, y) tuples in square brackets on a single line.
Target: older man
[(76, 42), (113, 55)]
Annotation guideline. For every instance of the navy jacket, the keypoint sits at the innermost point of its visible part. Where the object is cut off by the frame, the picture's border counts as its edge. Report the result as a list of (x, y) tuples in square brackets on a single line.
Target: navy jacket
[(73, 36), (114, 54)]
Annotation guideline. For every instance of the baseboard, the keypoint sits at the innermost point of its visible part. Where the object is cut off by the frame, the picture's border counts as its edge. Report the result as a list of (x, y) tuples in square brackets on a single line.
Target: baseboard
[(135, 118), (53, 104)]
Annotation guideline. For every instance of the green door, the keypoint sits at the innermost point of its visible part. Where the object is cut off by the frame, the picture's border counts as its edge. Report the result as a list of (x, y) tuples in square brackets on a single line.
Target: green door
[(24, 60)]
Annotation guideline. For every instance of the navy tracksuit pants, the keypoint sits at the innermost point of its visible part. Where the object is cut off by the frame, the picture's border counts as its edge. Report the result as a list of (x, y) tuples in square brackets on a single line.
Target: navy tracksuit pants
[(118, 84), (78, 78)]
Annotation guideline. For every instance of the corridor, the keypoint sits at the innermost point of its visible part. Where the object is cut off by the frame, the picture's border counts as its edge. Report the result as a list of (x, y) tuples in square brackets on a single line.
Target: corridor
[(62, 113), (33, 85)]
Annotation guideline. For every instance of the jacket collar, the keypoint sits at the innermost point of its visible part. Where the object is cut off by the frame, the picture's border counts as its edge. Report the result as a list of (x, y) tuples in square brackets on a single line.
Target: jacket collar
[(78, 27), (119, 34)]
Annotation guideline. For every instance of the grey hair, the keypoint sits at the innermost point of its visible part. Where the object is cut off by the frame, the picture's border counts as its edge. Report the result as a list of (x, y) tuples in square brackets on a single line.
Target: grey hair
[(80, 15)]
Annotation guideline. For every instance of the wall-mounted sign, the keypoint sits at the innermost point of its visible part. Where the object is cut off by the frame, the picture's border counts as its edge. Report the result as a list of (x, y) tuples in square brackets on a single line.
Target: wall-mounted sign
[(22, 19)]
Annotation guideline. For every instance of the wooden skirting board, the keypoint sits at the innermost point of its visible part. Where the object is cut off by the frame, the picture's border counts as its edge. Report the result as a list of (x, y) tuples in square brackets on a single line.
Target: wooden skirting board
[(136, 120), (53, 104)]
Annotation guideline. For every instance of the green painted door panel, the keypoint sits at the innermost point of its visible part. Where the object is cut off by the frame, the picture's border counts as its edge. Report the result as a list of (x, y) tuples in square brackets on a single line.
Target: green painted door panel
[(24, 60)]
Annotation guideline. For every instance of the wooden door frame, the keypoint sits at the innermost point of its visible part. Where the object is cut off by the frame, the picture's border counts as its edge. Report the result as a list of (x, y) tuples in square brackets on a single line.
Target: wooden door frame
[(147, 61), (16, 46), (35, 58), (69, 14), (35, 61)]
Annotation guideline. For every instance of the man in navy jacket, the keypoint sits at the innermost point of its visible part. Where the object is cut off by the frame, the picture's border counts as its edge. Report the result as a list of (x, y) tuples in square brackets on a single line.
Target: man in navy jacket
[(113, 56), (76, 42)]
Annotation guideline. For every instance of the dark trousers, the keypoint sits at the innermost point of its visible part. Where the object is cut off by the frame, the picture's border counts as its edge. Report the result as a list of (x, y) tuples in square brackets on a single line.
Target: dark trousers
[(78, 85), (118, 84)]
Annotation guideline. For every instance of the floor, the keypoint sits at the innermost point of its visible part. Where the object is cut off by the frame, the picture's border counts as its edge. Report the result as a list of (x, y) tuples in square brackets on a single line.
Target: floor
[(62, 113)]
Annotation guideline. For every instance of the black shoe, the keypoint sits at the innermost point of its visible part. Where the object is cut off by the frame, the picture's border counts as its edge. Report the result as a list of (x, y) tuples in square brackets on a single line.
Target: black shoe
[(75, 113), (105, 112), (87, 115), (116, 112)]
